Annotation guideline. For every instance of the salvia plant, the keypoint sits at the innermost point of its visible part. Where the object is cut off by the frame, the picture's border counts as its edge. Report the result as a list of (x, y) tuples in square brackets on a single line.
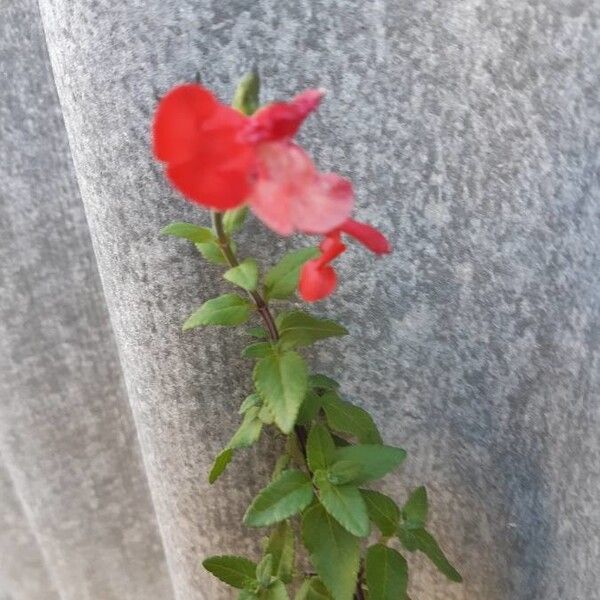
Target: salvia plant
[(240, 158)]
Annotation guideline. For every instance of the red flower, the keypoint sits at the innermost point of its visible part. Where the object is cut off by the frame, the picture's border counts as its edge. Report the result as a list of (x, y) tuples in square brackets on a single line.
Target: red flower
[(318, 279), (220, 159), (199, 140), (281, 120)]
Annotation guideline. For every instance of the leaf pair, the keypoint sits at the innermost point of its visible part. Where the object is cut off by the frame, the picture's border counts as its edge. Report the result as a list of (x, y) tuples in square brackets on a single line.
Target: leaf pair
[(386, 515), (203, 238), (339, 471), (247, 434), (256, 582)]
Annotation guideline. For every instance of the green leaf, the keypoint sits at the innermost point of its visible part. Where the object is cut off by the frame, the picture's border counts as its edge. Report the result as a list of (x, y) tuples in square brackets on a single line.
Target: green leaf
[(258, 332), (220, 464), (276, 591), (236, 571), (347, 418), (409, 541), (309, 408), (344, 471), (212, 252), (426, 543), (280, 465), (266, 415), (245, 98), (244, 275), (345, 504), (322, 382), (264, 570), (282, 280), (298, 328), (188, 231), (281, 548), (247, 595), (282, 381), (234, 219), (249, 431), (228, 309), (320, 450), (290, 493), (414, 512), (383, 511), (334, 552), (387, 573), (375, 461), (258, 350), (249, 402), (313, 589)]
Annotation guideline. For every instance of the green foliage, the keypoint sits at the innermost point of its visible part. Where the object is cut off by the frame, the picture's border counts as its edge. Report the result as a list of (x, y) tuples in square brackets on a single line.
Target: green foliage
[(281, 547), (249, 402), (249, 431), (333, 551), (258, 332), (245, 275), (234, 219), (344, 417), (228, 309), (332, 449), (276, 591), (383, 511), (344, 503), (414, 512), (343, 471), (313, 589), (322, 382), (246, 96), (290, 493), (282, 382), (220, 464), (212, 252), (320, 449), (264, 569), (309, 408), (282, 280), (258, 350), (298, 328), (387, 573), (375, 461), (188, 231), (236, 571), (421, 539)]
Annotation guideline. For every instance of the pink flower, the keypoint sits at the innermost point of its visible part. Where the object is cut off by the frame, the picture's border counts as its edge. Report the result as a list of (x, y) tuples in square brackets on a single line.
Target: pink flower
[(290, 194)]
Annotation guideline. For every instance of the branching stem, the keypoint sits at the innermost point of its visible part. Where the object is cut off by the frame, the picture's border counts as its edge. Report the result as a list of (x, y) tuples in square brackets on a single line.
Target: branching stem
[(264, 311)]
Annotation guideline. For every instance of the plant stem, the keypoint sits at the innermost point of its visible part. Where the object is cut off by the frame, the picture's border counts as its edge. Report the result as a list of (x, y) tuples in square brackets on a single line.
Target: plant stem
[(261, 305)]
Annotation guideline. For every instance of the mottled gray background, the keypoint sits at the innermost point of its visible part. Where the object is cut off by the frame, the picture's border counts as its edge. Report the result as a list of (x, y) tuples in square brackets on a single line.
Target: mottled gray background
[(472, 131)]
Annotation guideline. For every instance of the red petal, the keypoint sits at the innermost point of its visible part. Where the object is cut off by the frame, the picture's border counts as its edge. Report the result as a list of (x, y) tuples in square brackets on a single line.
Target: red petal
[(209, 185), (367, 235), (316, 282), (331, 247), (281, 120), (178, 121)]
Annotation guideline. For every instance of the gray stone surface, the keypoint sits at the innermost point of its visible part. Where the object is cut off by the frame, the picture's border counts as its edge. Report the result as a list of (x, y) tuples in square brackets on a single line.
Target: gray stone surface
[(66, 431), (23, 573), (472, 132)]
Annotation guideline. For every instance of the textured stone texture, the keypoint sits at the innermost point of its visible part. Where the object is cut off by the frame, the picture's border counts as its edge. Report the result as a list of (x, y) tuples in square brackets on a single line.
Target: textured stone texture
[(472, 131), (23, 574), (66, 431)]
